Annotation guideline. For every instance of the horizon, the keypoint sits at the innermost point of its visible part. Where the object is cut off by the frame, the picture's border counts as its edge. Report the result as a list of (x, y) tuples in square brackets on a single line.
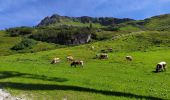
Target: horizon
[(31, 12)]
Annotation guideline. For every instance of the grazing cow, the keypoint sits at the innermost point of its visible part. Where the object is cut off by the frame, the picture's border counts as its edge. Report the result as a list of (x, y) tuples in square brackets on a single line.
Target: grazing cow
[(77, 62), (110, 50), (55, 60), (129, 58), (107, 50), (70, 58), (161, 67), (103, 56)]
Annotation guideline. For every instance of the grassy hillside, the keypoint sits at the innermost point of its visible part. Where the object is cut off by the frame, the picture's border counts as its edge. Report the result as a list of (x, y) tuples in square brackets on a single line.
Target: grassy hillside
[(31, 75), (7, 42), (76, 24), (136, 41), (28, 72), (161, 23)]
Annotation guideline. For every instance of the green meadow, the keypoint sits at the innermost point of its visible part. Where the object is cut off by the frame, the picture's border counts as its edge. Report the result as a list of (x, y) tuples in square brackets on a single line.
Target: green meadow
[(31, 76)]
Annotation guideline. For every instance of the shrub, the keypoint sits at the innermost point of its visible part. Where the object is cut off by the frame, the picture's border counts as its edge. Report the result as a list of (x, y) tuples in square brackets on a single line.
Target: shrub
[(111, 28), (19, 31), (25, 43)]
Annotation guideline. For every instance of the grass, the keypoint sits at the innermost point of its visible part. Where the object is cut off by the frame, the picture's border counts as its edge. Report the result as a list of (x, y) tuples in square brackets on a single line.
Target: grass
[(160, 23), (108, 79), (7, 42), (71, 23), (31, 75), (130, 28)]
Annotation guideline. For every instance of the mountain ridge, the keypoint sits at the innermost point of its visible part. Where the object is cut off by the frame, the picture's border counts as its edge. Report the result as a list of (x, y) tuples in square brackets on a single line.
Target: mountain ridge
[(55, 18)]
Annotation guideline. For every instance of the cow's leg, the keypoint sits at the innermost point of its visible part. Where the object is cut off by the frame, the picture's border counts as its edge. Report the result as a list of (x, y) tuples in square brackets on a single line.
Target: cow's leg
[(158, 68), (164, 67), (81, 65), (161, 68), (72, 64)]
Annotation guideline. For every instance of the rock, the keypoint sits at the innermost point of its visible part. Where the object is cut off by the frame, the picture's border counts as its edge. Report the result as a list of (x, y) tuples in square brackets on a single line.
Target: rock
[(7, 96)]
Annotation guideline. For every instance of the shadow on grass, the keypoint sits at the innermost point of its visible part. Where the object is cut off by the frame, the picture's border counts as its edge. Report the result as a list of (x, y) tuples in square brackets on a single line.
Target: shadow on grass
[(154, 72), (26, 86), (157, 72), (12, 74)]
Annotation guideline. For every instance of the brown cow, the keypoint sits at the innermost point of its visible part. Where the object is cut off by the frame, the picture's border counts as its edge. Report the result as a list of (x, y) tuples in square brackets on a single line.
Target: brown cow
[(77, 62), (161, 67), (103, 56)]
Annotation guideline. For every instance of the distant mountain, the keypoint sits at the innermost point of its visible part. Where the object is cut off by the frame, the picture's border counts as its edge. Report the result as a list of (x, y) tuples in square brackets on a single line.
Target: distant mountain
[(57, 19), (66, 30)]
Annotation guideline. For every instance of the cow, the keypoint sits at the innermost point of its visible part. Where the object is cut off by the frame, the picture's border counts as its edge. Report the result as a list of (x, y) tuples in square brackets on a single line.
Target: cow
[(110, 50), (70, 58), (77, 62), (55, 60), (103, 56), (107, 50), (161, 66), (129, 58)]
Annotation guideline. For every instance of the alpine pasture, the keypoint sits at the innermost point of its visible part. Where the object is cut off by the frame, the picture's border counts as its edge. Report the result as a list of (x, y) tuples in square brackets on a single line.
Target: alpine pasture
[(31, 76)]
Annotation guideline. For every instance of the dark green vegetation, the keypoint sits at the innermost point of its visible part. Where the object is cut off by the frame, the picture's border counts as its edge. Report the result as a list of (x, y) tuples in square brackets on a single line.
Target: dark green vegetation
[(24, 44), (7, 44), (63, 35), (31, 76)]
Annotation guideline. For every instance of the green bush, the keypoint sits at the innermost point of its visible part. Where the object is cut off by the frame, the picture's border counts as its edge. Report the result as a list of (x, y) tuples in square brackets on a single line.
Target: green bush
[(111, 28), (19, 31), (25, 43)]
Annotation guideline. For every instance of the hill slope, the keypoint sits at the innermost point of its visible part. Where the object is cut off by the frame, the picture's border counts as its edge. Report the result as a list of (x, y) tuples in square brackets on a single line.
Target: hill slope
[(32, 76), (7, 42), (161, 23)]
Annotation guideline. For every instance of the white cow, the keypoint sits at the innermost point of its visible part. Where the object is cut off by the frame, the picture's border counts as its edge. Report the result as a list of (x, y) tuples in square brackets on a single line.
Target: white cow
[(55, 60), (129, 58), (70, 58), (161, 66)]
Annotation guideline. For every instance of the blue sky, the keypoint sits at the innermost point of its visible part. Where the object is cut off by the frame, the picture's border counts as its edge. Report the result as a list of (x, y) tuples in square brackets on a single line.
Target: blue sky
[(30, 12)]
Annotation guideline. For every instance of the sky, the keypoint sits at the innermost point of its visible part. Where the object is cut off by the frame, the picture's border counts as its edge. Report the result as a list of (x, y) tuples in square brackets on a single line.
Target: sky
[(15, 13)]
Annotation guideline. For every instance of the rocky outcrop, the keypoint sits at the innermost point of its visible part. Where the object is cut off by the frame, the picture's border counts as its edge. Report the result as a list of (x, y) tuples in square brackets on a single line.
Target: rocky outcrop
[(54, 19), (74, 39)]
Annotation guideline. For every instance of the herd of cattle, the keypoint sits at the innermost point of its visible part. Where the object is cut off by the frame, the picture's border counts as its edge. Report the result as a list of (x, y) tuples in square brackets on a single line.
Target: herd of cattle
[(69, 58), (159, 67)]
